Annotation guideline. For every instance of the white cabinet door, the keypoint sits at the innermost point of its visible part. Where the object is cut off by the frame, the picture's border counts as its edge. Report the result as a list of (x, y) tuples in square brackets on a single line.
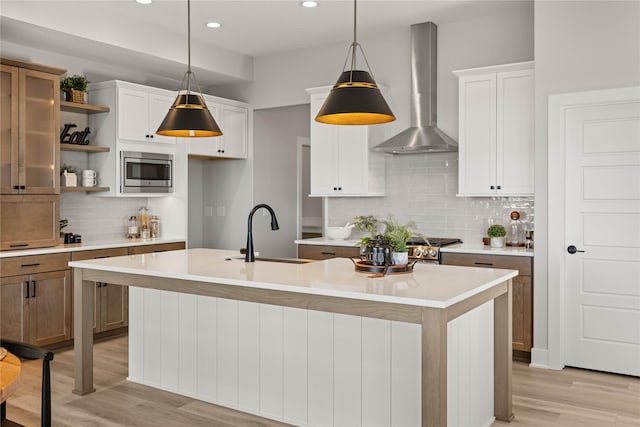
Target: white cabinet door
[(207, 147), (158, 109), (133, 114), (234, 139), (515, 132), (477, 135), (496, 131), (140, 113), (324, 153), (352, 160)]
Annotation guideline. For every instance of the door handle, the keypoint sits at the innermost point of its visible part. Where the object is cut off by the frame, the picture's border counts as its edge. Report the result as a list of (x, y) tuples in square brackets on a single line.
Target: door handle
[(26, 295), (33, 292), (572, 249)]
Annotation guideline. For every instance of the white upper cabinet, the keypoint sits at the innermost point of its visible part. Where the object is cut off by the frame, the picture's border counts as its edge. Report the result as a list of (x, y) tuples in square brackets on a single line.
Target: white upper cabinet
[(341, 162), (496, 130), (140, 112), (233, 119)]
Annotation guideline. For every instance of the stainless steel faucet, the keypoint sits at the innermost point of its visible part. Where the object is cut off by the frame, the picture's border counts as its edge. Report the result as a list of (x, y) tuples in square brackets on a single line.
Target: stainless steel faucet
[(250, 256)]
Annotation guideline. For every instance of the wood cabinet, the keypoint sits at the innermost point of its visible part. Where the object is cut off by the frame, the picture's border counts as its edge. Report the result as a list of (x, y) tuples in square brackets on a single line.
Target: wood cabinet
[(327, 251), (29, 134), (522, 297), (29, 221), (342, 163), (160, 247), (496, 130), (233, 119), (35, 299), (140, 111), (111, 304)]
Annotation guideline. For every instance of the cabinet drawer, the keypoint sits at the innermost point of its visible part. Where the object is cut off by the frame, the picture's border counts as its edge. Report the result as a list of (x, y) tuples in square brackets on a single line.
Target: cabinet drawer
[(34, 264), (29, 221), (522, 264), (161, 247), (98, 253), (326, 252)]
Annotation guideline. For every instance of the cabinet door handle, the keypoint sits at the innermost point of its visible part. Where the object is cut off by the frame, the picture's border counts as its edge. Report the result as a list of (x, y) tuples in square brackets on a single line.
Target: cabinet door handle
[(489, 264), (328, 253), (339, 188), (151, 136), (499, 187), (16, 187), (22, 187), (18, 245), (492, 187), (33, 292), (26, 286), (30, 265)]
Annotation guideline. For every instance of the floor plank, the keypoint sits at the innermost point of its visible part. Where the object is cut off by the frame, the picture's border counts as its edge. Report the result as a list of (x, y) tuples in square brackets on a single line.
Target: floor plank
[(571, 397)]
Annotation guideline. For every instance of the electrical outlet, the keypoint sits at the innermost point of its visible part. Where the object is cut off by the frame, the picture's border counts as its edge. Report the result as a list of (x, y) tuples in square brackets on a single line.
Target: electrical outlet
[(220, 211), (208, 211)]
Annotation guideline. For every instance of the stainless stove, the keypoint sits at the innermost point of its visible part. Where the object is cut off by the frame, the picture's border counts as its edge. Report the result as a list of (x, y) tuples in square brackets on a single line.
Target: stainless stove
[(429, 249)]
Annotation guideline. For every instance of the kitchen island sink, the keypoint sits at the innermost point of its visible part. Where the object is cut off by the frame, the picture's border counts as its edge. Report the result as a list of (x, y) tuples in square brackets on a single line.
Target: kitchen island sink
[(311, 343), (265, 259)]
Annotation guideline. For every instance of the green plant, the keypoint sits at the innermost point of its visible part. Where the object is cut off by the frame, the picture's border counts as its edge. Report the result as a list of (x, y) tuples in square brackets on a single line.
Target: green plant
[(398, 234), (69, 169), (496, 230), (367, 224), (76, 82)]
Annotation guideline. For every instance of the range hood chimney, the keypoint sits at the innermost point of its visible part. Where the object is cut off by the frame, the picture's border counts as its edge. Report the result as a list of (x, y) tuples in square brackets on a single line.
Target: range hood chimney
[(423, 136)]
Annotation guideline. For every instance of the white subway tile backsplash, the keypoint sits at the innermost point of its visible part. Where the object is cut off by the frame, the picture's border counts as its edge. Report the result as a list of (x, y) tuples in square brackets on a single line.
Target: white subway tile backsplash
[(98, 218), (422, 188)]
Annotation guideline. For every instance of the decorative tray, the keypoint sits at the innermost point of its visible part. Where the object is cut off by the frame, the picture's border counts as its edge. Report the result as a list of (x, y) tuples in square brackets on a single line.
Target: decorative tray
[(363, 267)]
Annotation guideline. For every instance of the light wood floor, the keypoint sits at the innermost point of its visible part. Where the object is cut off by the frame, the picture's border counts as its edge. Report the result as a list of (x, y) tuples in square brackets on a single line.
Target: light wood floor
[(572, 397)]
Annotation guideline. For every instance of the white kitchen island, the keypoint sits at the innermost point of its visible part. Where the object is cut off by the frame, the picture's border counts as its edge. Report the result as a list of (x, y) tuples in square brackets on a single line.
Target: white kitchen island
[(311, 344)]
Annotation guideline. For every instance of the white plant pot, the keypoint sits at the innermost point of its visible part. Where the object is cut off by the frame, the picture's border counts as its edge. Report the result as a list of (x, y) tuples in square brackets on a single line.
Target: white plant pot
[(400, 258), (497, 242)]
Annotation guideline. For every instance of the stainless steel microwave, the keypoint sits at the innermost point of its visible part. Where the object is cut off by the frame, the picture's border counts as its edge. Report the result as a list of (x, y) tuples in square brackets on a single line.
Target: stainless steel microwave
[(146, 172)]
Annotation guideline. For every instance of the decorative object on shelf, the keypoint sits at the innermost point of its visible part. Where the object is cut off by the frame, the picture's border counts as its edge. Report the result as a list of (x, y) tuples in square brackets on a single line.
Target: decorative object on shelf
[(497, 235), (355, 99), (398, 235), (189, 116), (381, 270), (68, 176), (74, 88), (80, 137), (89, 178)]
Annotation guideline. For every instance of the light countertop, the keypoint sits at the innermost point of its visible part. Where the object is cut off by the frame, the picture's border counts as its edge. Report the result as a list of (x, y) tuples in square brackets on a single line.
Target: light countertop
[(429, 285), (468, 248), (87, 246)]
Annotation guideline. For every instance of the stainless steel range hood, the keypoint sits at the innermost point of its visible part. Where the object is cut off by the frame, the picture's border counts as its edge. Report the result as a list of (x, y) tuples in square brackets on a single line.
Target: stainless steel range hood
[(423, 136)]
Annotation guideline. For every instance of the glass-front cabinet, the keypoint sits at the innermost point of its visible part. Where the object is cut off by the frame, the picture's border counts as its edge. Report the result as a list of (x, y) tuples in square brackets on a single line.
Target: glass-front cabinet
[(30, 102)]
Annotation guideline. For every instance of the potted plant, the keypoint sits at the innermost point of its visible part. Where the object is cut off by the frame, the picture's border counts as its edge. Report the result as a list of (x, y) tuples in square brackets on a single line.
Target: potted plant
[(398, 234), (496, 233), (74, 87), (68, 175), (366, 224)]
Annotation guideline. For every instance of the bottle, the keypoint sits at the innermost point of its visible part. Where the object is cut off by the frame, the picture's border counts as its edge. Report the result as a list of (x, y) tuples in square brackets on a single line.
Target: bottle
[(132, 229), (154, 226), (515, 235), (144, 217)]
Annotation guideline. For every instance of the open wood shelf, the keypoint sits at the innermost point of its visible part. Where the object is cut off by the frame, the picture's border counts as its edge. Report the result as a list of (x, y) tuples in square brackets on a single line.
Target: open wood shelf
[(82, 108), (83, 189), (87, 148)]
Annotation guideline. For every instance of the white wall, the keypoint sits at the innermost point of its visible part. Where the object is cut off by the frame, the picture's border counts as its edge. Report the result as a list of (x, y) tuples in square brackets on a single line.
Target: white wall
[(276, 133), (579, 45)]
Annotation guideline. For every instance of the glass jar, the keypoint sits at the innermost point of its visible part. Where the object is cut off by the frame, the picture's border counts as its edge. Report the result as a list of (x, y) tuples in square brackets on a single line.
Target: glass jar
[(144, 217), (515, 235), (132, 228), (154, 227)]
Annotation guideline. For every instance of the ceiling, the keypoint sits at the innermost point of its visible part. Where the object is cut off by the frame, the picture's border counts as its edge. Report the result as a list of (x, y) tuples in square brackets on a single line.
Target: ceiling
[(119, 29)]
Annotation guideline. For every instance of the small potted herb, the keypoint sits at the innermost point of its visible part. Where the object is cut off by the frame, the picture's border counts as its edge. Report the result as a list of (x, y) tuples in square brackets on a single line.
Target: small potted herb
[(497, 235), (398, 234), (366, 224), (74, 88), (68, 175)]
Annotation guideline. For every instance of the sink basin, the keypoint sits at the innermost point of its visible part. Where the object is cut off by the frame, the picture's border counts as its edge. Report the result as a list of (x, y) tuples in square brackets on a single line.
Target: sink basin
[(282, 260)]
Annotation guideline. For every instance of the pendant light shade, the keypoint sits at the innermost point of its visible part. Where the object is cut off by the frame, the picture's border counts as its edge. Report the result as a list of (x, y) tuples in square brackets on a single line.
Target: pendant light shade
[(189, 116), (355, 99)]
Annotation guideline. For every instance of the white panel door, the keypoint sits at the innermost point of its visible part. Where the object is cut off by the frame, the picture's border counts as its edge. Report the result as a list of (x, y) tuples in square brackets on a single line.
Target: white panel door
[(324, 152), (133, 114), (602, 187), (158, 109), (234, 131), (353, 153)]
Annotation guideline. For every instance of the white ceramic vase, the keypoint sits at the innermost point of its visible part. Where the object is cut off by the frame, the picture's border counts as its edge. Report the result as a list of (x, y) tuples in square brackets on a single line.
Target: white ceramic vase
[(497, 242), (400, 258)]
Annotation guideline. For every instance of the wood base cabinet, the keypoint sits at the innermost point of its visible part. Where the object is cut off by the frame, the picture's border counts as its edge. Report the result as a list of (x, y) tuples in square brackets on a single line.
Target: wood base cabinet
[(522, 292), (326, 251), (36, 305)]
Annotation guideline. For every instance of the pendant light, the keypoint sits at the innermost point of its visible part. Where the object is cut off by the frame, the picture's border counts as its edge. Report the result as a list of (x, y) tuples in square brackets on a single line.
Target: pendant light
[(355, 99), (189, 116)]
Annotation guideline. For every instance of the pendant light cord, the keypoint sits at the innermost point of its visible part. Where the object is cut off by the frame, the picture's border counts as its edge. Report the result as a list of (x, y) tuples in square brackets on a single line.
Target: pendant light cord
[(354, 45), (188, 48)]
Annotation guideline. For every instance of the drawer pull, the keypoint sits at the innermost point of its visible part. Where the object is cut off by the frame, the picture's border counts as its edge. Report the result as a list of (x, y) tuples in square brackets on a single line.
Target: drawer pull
[(328, 253), (30, 265), (33, 292), (489, 264), (18, 245), (26, 295)]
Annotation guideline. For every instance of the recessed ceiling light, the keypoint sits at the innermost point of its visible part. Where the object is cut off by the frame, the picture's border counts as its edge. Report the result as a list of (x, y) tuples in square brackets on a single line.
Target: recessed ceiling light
[(309, 4), (214, 24), (144, 1)]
